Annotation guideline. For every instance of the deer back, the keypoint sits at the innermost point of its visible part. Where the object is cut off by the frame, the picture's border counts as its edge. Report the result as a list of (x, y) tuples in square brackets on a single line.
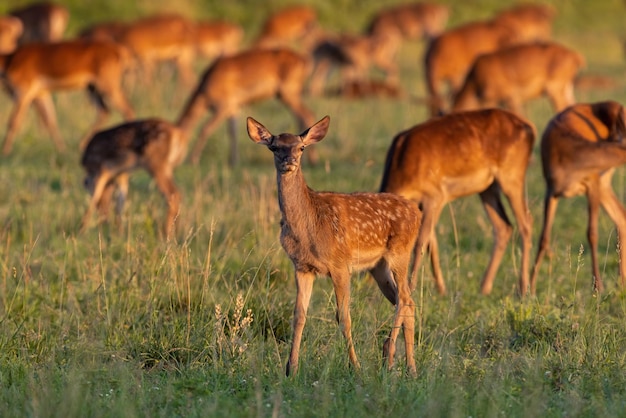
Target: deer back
[(584, 140), (457, 154)]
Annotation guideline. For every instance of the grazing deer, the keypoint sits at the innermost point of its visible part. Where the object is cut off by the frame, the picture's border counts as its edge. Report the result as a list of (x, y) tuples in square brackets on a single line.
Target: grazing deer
[(450, 55), (152, 144), (355, 55), (334, 234), (580, 149), (11, 29), (32, 71), (514, 75), (485, 152), (237, 80), (294, 26), (42, 21)]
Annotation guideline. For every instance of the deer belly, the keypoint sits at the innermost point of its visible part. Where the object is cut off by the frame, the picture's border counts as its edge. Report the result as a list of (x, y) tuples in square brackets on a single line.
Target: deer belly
[(467, 183)]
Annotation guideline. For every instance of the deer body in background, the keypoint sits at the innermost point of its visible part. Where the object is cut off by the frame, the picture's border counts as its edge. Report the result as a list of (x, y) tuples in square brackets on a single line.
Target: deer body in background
[(580, 149), (514, 75), (32, 71), (333, 234), (112, 154), (237, 80), (484, 152)]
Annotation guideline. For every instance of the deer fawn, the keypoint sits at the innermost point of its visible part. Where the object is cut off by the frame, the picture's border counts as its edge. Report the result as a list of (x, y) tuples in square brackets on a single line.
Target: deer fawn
[(333, 234), (236, 80), (153, 144), (485, 152), (580, 149)]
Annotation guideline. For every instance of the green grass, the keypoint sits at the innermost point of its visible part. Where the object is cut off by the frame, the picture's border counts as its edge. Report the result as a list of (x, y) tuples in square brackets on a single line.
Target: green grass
[(122, 324)]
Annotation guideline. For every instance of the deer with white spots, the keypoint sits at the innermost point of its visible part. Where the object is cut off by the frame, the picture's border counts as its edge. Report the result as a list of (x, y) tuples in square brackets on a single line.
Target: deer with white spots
[(333, 234)]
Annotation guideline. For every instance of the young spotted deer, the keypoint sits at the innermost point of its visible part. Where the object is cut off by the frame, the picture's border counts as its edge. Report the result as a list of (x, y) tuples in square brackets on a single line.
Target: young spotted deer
[(32, 71), (580, 150), (485, 152), (334, 234), (153, 144), (237, 80)]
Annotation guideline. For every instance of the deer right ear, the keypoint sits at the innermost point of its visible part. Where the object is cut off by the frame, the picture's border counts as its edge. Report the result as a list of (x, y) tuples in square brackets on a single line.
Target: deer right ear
[(258, 133), (316, 132)]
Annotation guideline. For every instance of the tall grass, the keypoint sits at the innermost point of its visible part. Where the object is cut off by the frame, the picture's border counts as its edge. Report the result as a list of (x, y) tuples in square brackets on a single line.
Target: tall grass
[(118, 323)]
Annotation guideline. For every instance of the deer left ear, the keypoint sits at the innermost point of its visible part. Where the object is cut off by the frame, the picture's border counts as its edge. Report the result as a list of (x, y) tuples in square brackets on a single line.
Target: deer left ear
[(258, 133), (316, 132)]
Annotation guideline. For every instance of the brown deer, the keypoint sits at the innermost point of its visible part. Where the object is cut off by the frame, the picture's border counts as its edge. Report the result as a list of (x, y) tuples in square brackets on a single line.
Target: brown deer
[(514, 75), (294, 26), (450, 55), (32, 71), (112, 154), (11, 29), (334, 234), (237, 80), (485, 152), (533, 22), (215, 38), (355, 55), (159, 38), (42, 21), (580, 149)]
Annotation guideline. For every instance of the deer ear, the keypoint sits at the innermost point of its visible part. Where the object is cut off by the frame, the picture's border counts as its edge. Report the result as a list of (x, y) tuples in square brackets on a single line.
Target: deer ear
[(316, 132), (258, 133)]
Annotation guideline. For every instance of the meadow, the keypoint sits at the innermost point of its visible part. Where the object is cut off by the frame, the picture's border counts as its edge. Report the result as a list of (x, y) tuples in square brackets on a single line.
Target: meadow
[(121, 323)]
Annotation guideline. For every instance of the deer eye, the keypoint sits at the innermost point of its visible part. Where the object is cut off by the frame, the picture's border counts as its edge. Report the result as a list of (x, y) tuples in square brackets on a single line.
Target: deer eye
[(302, 147)]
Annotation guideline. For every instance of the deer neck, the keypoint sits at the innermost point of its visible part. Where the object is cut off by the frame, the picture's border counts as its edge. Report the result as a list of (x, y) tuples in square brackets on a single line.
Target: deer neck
[(294, 199)]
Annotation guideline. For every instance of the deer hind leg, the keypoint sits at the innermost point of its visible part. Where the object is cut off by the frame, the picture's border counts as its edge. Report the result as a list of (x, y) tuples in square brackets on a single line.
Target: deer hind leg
[(304, 288), (550, 205), (45, 107), (593, 201), (208, 128), (102, 113), (502, 231), (341, 284), (514, 191), (616, 212), (405, 312)]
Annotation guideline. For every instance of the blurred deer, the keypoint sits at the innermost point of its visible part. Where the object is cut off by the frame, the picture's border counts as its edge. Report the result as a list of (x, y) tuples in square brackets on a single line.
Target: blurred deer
[(42, 21), (293, 26), (580, 149), (32, 71), (514, 75), (237, 80), (333, 234), (485, 152), (450, 55), (112, 154)]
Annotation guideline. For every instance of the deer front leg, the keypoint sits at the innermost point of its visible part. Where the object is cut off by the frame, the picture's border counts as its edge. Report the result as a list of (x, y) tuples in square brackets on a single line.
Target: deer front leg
[(45, 107), (15, 120), (304, 288)]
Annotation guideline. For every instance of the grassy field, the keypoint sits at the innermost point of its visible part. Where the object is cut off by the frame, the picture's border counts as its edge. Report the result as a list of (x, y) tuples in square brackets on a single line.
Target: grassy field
[(115, 323)]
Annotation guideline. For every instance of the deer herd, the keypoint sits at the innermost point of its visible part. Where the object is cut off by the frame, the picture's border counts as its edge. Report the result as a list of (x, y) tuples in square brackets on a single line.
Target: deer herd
[(478, 76)]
